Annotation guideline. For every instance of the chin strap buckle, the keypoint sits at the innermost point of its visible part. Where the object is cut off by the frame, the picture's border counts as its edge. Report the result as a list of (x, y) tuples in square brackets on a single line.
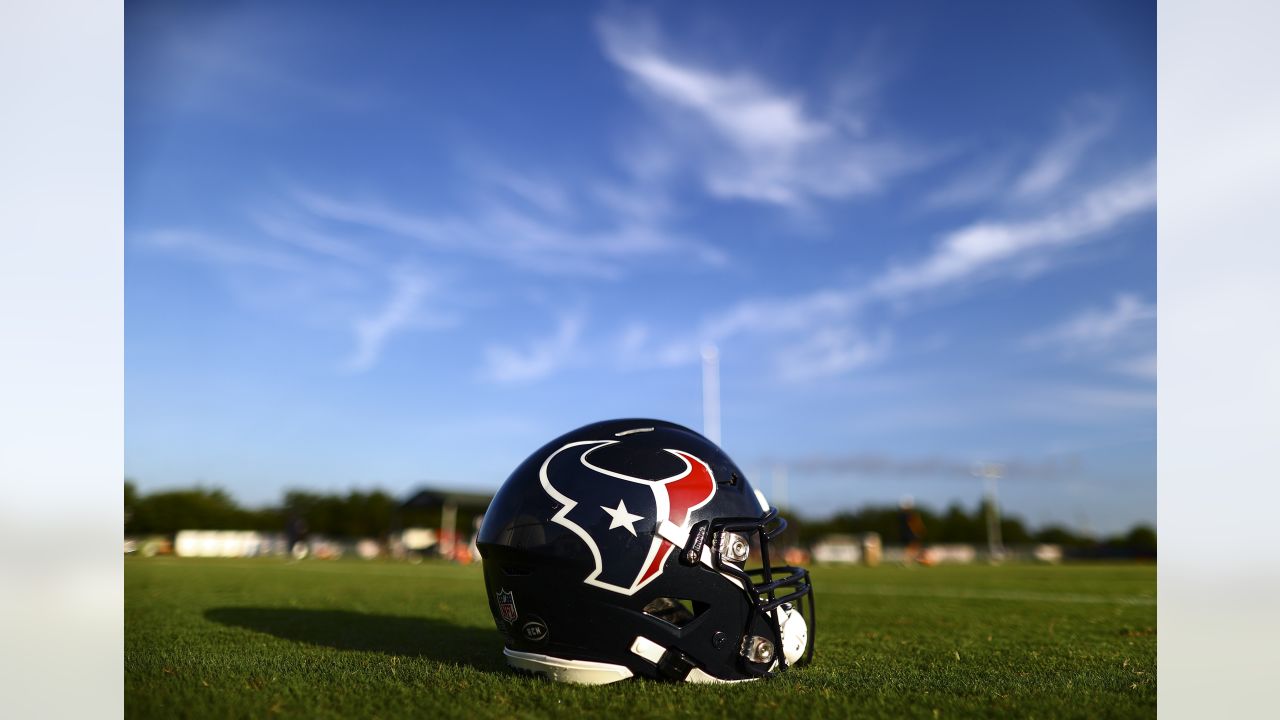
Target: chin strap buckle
[(672, 664), (675, 665)]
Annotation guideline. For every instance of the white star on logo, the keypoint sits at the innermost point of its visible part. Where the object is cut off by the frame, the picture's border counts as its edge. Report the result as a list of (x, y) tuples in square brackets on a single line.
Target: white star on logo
[(622, 518)]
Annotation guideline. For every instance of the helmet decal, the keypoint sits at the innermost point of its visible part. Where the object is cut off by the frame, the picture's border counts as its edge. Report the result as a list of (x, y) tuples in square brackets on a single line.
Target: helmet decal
[(507, 605), (617, 517)]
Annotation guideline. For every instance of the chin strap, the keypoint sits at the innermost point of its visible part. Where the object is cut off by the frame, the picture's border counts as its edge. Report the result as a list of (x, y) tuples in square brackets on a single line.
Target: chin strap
[(673, 664)]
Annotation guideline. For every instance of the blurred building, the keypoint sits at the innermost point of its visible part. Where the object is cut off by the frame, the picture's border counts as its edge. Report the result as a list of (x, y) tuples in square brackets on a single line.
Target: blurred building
[(453, 516)]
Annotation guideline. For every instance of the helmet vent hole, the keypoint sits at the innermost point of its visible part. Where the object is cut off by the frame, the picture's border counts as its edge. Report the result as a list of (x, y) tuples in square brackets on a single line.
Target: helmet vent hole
[(676, 611), (516, 570)]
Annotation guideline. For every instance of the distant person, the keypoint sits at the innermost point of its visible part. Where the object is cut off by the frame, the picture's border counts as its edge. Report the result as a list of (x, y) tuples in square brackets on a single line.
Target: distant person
[(911, 529), (295, 532)]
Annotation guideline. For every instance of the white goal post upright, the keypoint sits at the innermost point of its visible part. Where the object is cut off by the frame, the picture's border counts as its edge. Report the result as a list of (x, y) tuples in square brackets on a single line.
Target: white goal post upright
[(990, 474), (711, 392), (780, 499)]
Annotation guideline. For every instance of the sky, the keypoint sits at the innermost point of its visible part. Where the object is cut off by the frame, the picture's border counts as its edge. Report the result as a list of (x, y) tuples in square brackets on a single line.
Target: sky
[(381, 247)]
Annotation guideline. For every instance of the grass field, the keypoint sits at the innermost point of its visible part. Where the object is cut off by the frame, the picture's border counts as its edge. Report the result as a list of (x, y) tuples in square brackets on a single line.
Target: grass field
[(260, 638)]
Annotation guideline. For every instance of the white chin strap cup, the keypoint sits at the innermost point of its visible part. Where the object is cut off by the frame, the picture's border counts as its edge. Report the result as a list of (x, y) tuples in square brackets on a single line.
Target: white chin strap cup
[(795, 634)]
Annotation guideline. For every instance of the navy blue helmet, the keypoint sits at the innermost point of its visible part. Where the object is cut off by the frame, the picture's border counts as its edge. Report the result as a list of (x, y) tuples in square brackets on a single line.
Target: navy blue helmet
[(625, 549)]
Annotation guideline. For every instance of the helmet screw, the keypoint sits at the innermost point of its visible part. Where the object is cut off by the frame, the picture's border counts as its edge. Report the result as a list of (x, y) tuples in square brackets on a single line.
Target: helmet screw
[(734, 547), (717, 640), (757, 649)]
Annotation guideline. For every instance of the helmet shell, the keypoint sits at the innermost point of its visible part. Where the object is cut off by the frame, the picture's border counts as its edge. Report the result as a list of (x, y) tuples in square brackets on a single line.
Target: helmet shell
[(573, 557)]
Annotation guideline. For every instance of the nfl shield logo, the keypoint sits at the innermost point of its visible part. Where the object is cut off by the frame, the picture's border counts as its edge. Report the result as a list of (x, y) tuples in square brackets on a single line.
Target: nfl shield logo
[(507, 605)]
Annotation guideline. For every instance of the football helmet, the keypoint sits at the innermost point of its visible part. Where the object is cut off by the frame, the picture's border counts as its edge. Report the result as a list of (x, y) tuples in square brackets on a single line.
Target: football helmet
[(621, 550)]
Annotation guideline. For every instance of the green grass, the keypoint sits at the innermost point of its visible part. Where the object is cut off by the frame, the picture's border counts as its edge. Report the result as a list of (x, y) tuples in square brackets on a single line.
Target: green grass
[(260, 638)]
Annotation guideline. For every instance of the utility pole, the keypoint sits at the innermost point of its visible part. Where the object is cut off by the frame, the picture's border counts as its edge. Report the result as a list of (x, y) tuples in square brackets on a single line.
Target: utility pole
[(711, 392), (991, 474)]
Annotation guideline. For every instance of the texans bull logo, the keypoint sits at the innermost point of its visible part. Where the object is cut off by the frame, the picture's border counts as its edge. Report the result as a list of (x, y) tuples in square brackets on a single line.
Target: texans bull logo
[(617, 515)]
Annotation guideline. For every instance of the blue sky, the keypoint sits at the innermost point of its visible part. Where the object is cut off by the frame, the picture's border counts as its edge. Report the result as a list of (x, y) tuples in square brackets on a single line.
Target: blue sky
[(377, 247)]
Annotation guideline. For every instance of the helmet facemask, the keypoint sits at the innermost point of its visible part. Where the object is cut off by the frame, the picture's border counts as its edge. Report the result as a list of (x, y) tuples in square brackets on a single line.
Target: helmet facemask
[(780, 595)]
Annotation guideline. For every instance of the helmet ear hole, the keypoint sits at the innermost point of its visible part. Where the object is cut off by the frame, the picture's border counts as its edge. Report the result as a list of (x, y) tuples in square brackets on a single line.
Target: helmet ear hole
[(676, 611)]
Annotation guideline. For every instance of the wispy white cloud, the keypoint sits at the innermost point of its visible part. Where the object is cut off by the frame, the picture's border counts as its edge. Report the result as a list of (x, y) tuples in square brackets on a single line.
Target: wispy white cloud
[(817, 329), (1087, 123), (635, 347), (520, 238), (989, 247), (1141, 366), (638, 347), (821, 333), (1118, 338), (563, 226), (536, 191), (220, 250), (738, 105), (318, 278), (633, 339), (830, 351), (541, 358), (984, 180), (993, 176), (241, 69), (1098, 329), (301, 236), (1082, 403), (772, 315), (1048, 467), (402, 311), (746, 138)]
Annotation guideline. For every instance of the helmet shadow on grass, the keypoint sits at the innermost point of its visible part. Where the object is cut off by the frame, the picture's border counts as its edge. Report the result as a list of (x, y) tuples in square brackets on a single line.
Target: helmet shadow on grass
[(430, 638)]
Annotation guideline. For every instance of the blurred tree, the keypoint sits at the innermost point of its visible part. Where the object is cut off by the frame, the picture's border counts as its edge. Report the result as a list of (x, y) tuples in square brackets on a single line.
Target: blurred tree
[(1142, 538), (957, 526), (355, 515), (130, 506), (198, 509), (1058, 535), (1013, 532), (375, 514)]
